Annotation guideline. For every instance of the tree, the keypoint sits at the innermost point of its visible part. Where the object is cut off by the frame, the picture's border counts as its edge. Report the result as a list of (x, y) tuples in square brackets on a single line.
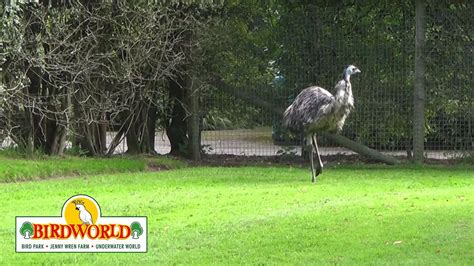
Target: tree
[(26, 230), (137, 230), (74, 71), (83, 69)]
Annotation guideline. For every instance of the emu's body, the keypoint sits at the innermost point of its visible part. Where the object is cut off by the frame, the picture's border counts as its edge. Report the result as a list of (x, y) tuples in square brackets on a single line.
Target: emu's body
[(316, 110)]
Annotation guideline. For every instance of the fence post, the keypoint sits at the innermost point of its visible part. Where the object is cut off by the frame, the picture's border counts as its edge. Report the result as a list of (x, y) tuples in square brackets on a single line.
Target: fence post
[(194, 120), (419, 84)]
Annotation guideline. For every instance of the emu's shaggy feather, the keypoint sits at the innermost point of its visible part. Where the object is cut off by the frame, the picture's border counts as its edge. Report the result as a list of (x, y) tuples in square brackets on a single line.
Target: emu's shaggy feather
[(315, 110)]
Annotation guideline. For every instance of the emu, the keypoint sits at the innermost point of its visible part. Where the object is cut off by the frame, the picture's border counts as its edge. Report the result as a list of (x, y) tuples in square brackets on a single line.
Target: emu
[(316, 110)]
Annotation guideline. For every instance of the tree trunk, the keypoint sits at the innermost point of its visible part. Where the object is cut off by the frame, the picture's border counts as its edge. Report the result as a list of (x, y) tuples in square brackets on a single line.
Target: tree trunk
[(176, 129), (101, 137), (34, 75), (151, 126), (419, 88), (133, 143), (194, 120), (361, 149), (141, 134), (124, 128)]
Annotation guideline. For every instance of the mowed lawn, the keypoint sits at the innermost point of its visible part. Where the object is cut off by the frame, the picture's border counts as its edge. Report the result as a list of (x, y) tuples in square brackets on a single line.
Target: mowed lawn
[(268, 215)]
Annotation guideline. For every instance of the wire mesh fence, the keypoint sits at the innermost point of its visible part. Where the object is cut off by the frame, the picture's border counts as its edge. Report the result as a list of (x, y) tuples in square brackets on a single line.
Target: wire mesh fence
[(263, 61), (317, 41)]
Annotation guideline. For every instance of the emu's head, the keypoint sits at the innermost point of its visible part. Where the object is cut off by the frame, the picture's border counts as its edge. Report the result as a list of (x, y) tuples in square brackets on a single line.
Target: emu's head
[(350, 70)]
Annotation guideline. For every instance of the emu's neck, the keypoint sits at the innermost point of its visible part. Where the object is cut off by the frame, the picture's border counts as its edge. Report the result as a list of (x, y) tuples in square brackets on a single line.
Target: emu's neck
[(346, 77), (344, 93)]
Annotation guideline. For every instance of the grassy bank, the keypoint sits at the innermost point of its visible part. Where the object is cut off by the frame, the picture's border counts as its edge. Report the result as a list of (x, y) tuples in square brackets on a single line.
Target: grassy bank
[(16, 168)]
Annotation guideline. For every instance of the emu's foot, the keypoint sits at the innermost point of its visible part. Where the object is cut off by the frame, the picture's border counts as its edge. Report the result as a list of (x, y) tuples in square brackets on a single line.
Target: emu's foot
[(319, 170)]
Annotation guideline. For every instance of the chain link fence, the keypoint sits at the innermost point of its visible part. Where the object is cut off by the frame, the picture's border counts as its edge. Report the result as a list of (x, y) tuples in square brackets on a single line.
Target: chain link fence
[(274, 55), (316, 42)]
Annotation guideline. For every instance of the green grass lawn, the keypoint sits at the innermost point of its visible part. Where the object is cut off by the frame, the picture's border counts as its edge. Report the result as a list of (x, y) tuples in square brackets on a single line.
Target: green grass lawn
[(15, 168), (256, 215)]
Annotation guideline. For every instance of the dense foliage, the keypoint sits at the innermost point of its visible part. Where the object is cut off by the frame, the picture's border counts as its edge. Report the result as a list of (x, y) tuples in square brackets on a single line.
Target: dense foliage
[(77, 71), (73, 71), (301, 43)]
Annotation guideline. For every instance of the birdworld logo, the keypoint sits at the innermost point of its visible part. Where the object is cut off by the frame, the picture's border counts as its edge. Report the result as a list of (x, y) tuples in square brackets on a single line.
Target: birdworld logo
[(81, 228)]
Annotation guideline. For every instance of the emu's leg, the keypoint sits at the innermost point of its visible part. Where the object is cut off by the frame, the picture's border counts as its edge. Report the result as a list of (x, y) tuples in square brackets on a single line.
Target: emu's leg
[(319, 168), (313, 172)]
